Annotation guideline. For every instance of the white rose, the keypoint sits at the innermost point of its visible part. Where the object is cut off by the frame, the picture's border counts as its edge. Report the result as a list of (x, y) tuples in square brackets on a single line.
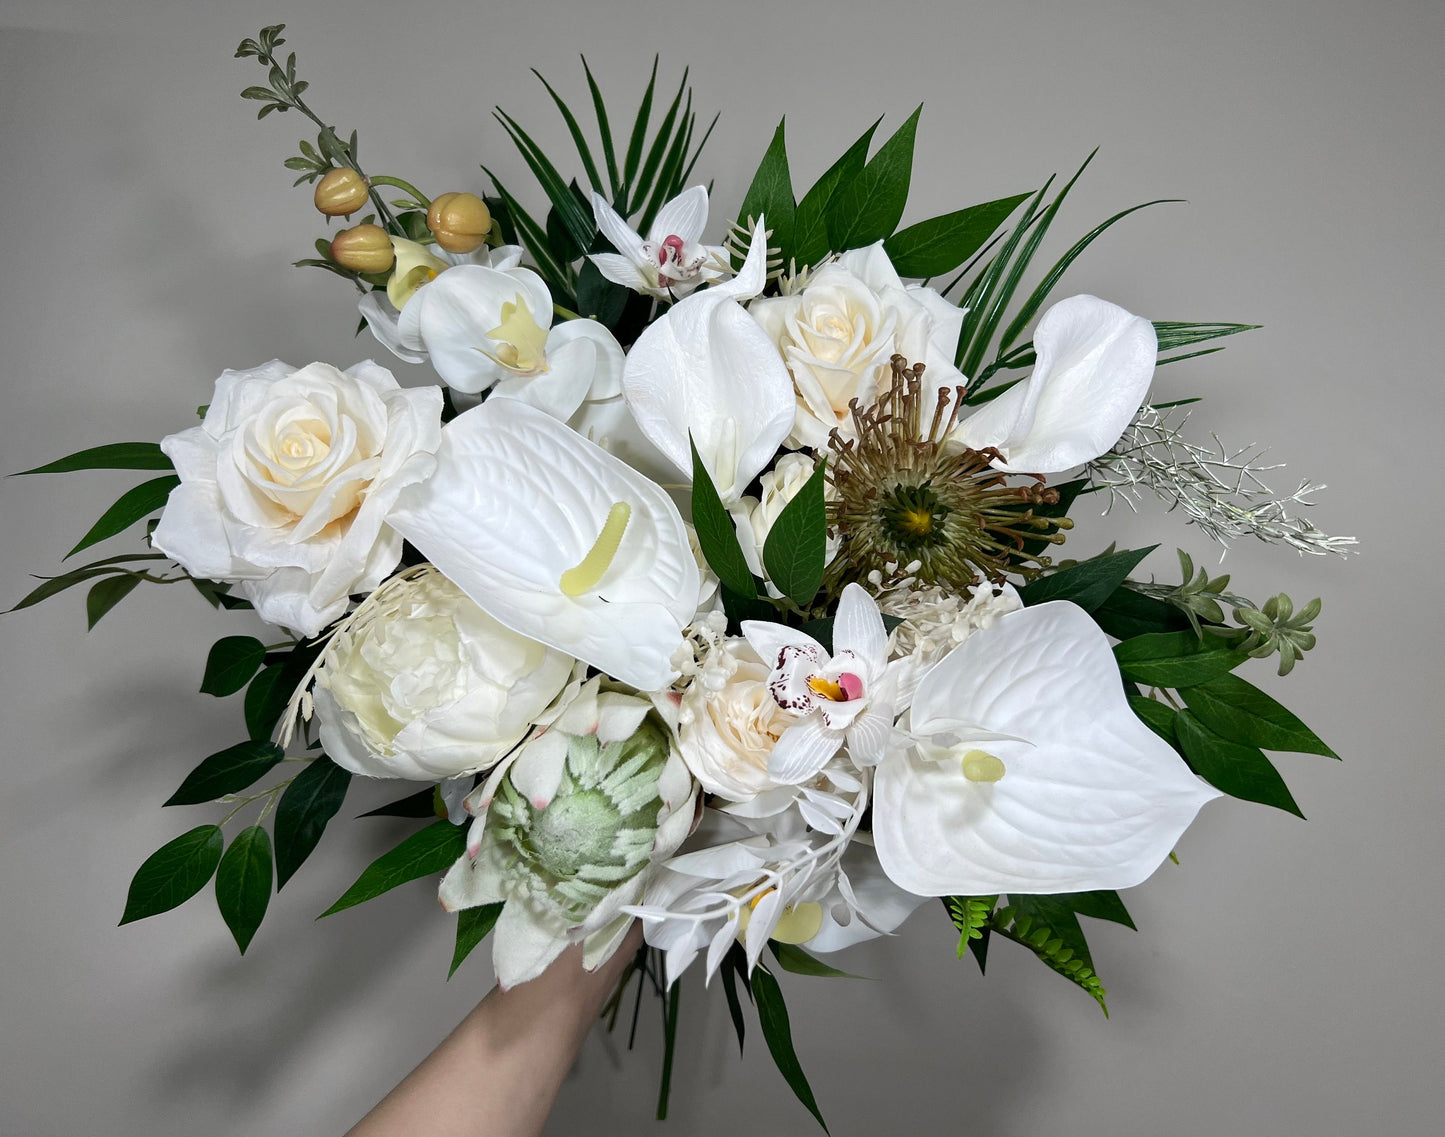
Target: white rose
[(754, 517), (423, 684), (839, 332), (729, 721), (287, 483)]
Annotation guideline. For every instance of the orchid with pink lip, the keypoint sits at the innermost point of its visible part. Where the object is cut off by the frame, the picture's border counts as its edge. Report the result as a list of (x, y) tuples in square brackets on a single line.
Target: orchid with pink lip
[(671, 260)]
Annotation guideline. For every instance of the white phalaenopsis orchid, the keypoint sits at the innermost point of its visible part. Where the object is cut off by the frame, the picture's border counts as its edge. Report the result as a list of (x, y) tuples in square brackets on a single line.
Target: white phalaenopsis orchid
[(846, 695), (1030, 772), (671, 260), (708, 373), (558, 540), (1094, 365)]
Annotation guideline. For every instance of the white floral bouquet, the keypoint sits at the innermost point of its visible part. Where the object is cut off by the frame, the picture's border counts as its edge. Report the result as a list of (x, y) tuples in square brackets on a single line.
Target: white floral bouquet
[(715, 585)]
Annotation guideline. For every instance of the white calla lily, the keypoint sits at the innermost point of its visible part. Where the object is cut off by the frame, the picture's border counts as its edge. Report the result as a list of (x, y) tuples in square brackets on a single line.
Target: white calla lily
[(558, 540), (1094, 364), (1030, 773), (708, 372), (671, 260)]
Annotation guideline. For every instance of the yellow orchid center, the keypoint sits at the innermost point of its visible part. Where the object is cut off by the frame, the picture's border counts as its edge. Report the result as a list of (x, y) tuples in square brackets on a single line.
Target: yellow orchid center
[(981, 766), (827, 688), (798, 924), (415, 266), (588, 572), (523, 341)]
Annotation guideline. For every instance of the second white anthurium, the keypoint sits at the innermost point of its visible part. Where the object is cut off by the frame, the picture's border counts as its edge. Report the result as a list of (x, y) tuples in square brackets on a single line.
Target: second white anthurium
[(558, 540), (1093, 367), (846, 695), (1030, 772), (671, 260), (706, 374)]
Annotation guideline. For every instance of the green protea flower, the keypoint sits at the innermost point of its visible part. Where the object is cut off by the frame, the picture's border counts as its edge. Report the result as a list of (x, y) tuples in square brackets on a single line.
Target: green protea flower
[(567, 827)]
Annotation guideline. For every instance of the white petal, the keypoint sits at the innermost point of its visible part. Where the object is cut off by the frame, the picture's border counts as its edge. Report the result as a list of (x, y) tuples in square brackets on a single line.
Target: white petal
[(625, 239), (620, 270), (538, 770), (382, 319), (802, 750), (684, 216), (718, 862), (607, 379), (458, 310), (524, 944), (560, 389), (469, 883), (1096, 802), (881, 906), (858, 627), (769, 640)]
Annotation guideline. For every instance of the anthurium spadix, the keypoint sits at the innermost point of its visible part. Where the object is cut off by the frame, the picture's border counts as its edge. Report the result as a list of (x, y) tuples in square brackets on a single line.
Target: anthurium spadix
[(1094, 362), (708, 372), (1029, 772), (558, 540)]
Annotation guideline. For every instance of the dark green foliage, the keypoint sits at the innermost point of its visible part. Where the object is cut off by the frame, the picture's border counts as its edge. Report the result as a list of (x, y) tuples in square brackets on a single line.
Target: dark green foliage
[(1050, 946), (106, 594), (232, 663), (941, 244), (792, 958), (174, 873), (1087, 583), (1241, 712), (473, 926), (770, 196), (306, 806), (228, 771), (1237, 768), (868, 207), (716, 534), (425, 853), (243, 884), (133, 505), (773, 1017), (115, 456), (1175, 659), (796, 548), (810, 225)]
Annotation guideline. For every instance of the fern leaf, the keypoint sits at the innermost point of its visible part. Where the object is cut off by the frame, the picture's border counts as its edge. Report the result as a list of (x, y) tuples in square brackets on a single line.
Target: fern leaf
[(1051, 949)]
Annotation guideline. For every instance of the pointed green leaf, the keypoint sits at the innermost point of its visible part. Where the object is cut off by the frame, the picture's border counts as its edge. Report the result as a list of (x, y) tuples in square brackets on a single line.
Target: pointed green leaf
[(116, 456), (604, 130), (868, 208), (174, 873), (307, 804), (106, 594), (1243, 713), (941, 244), (473, 925), (1100, 905), (578, 139), (231, 664), (735, 1006), (792, 958), (1157, 716), (266, 699), (810, 225), (423, 803), (795, 551), (716, 534), (669, 1046), (140, 501), (771, 195), (639, 135), (1127, 613), (1174, 334), (578, 222), (228, 771), (243, 884), (427, 852), (773, 1016), (599, 298), (1057, 914), (1175, 659), (1239, 770), (1088, 583), (640, 189)]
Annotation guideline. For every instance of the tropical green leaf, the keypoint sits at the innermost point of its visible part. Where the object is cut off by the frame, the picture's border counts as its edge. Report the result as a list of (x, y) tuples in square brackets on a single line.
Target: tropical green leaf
[(716, 534), (638, 191), (137, 502), (771, 195), (868, 208), (1175, 659), (1243, 713), (599, 298), (1238, 769), (735, 1006), (228, 771), (1126, 614), (778, 1034), (604, 131), (54, 585), (1157, 716), (473, 925), (243, 884), (266, 699), (795, 552), (638, 137), (532, 236), (1174, 334), (116, 456), (174, 873), (667, 174), (106, 594), (307, 804), (425, 853), (231, 664), (792, 958), (423, 803), (578, 222), (810, 225), (1088, 583), (1100, 905), (941, 244), (578, 138)]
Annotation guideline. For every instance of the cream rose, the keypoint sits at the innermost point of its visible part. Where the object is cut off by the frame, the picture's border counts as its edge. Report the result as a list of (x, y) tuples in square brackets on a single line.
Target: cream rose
[(728, 723), (287, 483), (423, 684), (754, 517), (839, 331)]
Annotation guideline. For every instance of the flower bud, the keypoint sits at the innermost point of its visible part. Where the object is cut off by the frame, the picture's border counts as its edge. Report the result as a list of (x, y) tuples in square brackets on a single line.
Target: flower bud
[(459, 221), (363, 248), (341, 191)]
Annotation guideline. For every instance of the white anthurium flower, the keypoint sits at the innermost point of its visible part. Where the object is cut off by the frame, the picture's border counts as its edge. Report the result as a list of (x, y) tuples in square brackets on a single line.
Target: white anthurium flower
[(707, 371), (846, 696), (863, 903), (558, 540), (671, 260), (1094, 365), (1030, 771)]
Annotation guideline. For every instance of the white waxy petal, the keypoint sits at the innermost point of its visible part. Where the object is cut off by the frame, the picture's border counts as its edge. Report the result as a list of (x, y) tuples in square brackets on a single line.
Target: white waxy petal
[(1096, 802), (858, 625), (802, 750), (684, 216)]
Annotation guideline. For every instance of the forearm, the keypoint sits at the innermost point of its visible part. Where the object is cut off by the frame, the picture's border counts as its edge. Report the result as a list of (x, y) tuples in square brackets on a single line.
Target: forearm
[(499, 1071)]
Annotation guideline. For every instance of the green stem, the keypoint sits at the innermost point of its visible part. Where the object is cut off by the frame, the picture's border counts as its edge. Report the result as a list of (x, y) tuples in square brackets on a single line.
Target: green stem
[(565, 313), (416, 195)]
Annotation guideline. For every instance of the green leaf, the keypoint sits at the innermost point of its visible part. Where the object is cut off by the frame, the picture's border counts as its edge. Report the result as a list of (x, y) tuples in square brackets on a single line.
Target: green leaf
[(1243, 713), (1239, 770), (941, 244), (773, 1017), (578, 139), (792, 958), (771, 195), (669, 1032), (423, 803), (1157, 716), (717, 536), (646, 180), (227, 771), (174, 873), (810, 226), (868, 208), (106, 594), (735, 1006), (266, 699), (473, 925), (1058, 914), (578, 222), (604, 130), (307, 804), (425, 853), (795, 551), (231, 664), (1174, 334), (1127, 614), (1175, 659), (1088, 583), (671, 167), (116, 456), (598, 297), (1100, 905), (135, 503), (51, 586), (639, 134), (243, 884)]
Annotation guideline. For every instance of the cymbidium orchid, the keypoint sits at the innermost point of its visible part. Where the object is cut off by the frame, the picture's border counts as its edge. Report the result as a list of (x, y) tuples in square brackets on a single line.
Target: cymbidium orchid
[(706, 375), (671, 260), (1029, 771), (558, 540)]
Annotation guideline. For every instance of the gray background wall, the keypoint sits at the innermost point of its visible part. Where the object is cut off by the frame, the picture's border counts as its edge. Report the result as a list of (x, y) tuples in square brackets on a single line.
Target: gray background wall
[(1286, 977)]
